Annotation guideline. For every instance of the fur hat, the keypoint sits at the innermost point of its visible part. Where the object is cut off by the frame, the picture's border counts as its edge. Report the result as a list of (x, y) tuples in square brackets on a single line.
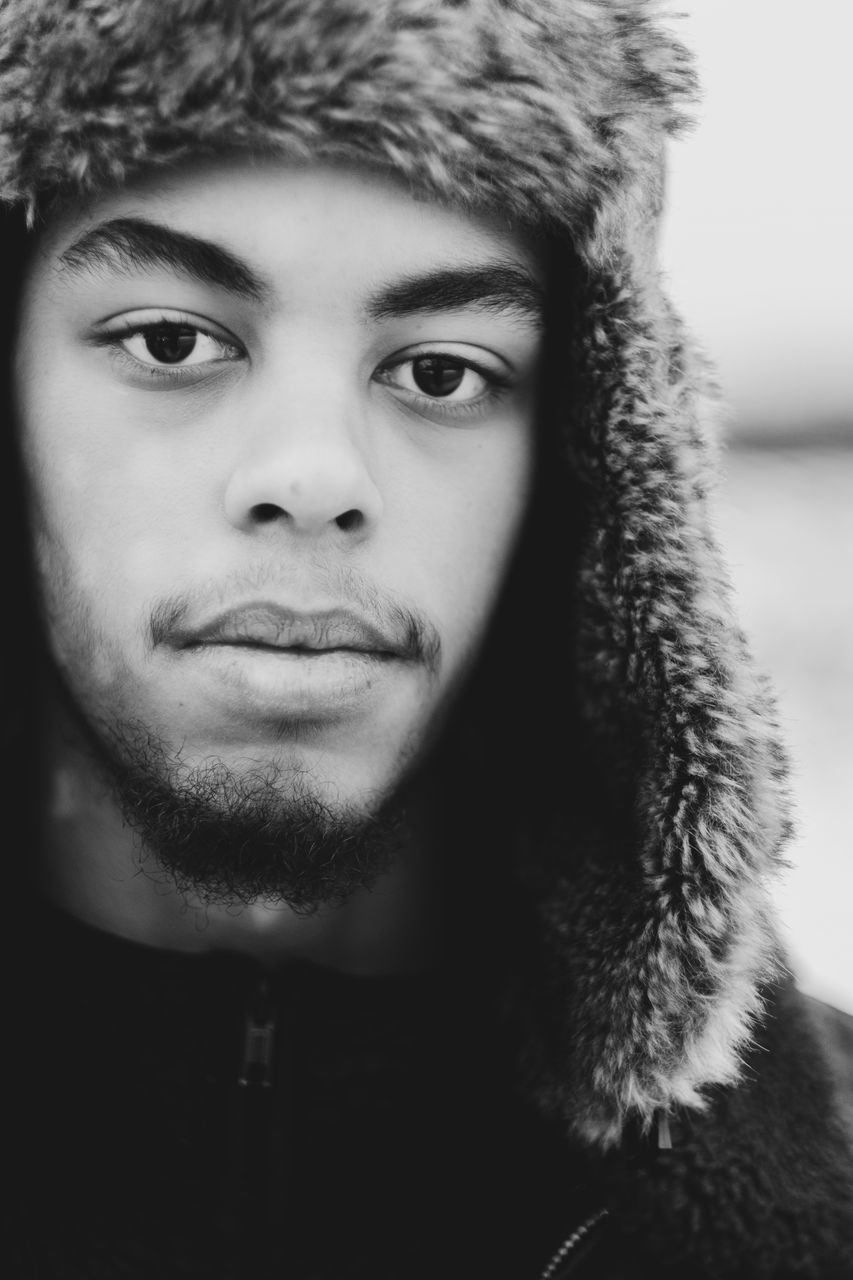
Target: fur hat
[(653, 903)]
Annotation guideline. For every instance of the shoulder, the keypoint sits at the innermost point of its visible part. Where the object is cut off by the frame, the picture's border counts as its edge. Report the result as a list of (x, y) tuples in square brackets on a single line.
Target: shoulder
[(833, 1031), (760, 1182)]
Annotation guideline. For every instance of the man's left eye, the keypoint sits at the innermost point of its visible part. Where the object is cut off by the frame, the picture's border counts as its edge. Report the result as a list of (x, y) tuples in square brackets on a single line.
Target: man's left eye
[(175, 344), (439, 377)]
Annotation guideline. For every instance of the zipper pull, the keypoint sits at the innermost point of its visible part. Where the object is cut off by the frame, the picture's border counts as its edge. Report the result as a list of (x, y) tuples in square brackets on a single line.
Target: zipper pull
[(664, 1134), (258, 1040)]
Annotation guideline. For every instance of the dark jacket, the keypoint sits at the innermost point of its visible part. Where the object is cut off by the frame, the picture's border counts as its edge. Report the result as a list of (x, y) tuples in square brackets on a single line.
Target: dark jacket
[(181, 1115), (632, 970)]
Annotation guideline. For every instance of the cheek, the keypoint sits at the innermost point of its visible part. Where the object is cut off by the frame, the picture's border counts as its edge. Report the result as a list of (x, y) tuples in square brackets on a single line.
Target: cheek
[(104, 508), (468, 526)]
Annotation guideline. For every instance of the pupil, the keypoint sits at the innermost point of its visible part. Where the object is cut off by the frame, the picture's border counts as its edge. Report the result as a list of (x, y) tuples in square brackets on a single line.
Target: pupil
[(170, 345), (437, 375)]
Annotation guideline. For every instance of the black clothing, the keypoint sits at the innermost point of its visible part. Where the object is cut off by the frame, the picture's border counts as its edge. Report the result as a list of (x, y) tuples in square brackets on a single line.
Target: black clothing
[(151, 1136), (179, 1115)]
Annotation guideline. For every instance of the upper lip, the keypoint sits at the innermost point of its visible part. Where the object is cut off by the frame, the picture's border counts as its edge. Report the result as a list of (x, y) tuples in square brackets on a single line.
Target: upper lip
[(269, 625)]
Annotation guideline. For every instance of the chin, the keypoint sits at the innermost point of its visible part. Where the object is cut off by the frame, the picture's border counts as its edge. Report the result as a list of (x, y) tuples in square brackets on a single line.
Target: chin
[(227, 838), (232, 830)]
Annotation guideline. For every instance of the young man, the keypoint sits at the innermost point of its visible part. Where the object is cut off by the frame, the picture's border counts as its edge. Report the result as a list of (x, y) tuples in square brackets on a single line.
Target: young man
[(391, 894)]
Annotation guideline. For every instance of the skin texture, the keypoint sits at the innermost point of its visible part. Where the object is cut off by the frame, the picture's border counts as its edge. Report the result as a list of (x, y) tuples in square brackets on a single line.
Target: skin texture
[(290, 461)]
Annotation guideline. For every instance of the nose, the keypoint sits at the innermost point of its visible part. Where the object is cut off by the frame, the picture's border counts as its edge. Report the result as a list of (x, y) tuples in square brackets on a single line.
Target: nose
[(308, 474)]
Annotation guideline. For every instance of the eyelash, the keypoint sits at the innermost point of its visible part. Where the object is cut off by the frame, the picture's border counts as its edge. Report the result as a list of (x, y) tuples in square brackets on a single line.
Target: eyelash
[(114, 337), (496, 385), (182, 374)]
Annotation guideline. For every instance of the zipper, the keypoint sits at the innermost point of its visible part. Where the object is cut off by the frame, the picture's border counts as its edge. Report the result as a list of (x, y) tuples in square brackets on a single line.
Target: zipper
[(555, 1266), (258, 1041), (248, 1189)]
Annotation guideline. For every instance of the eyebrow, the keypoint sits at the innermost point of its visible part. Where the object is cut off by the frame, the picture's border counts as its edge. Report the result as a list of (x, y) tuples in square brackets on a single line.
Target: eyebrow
[(498, 286), (131, 244)]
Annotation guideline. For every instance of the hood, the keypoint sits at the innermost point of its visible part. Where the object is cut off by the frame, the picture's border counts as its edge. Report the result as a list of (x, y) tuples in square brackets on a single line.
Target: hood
[(650, 883)]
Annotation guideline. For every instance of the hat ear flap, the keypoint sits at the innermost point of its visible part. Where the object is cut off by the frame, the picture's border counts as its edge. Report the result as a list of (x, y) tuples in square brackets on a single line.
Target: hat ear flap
[(660, 933)]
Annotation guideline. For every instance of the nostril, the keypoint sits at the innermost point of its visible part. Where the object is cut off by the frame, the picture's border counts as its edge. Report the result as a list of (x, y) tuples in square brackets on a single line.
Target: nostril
[(350, 521), (266, 512)]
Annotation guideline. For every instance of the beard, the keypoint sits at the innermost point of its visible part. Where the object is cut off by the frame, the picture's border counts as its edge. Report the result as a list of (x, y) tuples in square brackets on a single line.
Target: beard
[(228, 838), (266, 834)]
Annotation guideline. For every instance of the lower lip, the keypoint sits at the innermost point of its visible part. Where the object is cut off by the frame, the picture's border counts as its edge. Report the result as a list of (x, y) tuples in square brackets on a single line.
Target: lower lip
[(319, 684)]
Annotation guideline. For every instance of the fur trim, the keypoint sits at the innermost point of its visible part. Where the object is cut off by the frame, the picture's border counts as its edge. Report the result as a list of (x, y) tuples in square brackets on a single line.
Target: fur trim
[(661, 951), (536, 106), (658, 931)]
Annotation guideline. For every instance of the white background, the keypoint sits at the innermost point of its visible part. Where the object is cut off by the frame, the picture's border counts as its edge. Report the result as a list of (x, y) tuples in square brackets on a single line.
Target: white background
[(758, 239)]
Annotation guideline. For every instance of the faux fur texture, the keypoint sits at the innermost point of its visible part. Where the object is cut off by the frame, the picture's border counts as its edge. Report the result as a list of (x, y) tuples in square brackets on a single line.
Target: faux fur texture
[(536, 106), (658, 932)]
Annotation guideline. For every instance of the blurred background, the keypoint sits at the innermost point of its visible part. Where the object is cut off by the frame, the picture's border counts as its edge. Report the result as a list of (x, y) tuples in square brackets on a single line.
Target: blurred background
[(758, 253)]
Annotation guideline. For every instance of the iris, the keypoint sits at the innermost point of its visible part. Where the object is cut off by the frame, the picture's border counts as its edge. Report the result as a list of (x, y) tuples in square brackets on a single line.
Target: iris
[(170, 344), (437, 375)]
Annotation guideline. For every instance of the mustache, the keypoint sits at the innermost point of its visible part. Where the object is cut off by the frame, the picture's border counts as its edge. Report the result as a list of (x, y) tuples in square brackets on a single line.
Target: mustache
[(308, 601)]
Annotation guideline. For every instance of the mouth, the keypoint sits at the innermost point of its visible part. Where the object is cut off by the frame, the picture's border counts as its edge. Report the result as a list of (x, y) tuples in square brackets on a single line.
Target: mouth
[(265, 664), (271, 628)]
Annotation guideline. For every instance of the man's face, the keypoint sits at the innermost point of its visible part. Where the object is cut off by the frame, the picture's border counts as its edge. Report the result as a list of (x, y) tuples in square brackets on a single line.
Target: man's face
[(278, 429)]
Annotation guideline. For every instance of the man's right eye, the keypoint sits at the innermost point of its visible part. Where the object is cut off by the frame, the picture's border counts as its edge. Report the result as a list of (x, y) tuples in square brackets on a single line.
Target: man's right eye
[(176, 344), (166, 346)]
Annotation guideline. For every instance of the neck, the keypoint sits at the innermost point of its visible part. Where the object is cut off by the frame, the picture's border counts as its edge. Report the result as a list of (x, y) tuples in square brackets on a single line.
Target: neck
[(91, 865)]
